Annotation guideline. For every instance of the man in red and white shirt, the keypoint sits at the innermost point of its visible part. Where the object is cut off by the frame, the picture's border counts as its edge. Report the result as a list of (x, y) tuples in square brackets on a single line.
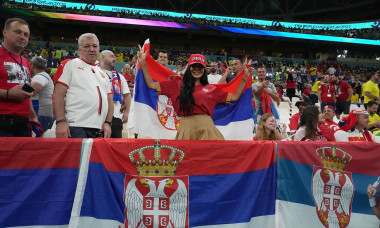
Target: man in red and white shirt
[(15, 105), (329, 113), (354, 128), (82, 100)]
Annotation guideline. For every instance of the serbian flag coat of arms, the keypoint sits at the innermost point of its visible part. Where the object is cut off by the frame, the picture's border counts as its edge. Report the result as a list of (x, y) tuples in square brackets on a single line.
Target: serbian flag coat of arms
[(150, 183), (154, 116)]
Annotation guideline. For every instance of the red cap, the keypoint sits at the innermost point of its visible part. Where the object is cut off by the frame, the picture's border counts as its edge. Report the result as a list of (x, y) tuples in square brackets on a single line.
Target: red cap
[(197, 58)]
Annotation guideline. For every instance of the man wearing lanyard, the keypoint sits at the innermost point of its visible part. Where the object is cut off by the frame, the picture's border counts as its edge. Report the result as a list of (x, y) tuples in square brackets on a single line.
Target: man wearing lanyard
[(15, 104), (326, 93)]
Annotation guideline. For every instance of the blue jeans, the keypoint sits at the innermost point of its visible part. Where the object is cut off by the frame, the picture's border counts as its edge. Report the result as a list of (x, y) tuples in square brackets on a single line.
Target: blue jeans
[(78, 132), (46, 121)]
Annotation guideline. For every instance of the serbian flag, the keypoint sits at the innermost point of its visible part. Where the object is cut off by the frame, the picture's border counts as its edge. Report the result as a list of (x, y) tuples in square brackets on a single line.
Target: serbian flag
[(174, 183), (154, 116), (38, 179), (325, 184)]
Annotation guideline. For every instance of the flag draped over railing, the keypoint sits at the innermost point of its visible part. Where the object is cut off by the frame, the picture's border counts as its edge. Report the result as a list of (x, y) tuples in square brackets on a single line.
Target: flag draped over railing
[(54, 183)]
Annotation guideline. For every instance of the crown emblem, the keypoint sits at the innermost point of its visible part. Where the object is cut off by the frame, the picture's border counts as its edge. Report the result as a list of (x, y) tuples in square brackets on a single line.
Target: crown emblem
[(155, 166), (333, 158)]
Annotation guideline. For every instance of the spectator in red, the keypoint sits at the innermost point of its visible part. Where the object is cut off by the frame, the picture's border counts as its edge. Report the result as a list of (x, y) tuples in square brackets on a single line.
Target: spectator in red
[(126, 72), (294, 121), (15, 105), (326, 93), (329, 113), (290, 86), (306, 93), (343, 93)]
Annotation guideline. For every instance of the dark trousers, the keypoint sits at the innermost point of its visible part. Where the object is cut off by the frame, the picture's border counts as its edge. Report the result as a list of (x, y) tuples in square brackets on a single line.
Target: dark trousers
[(117, 128), (83, 132), (14, 126)]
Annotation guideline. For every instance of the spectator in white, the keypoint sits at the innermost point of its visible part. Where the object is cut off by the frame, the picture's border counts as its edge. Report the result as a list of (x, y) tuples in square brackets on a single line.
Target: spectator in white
[(343, 94), (43, 92), (372, 190), (262, 86), (353, 128), (82, 100), (329, 113), (213, 77), (163, 58), (107, 62), (15, 105), (331, 70)]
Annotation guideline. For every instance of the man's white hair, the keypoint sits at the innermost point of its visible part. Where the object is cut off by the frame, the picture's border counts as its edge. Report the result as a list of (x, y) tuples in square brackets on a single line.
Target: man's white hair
[(87, 36)]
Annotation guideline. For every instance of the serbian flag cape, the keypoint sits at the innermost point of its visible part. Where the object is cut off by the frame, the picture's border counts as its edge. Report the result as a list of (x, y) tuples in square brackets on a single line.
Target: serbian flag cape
[(325, 184), (154, 116), (38, 179), (174, 183)]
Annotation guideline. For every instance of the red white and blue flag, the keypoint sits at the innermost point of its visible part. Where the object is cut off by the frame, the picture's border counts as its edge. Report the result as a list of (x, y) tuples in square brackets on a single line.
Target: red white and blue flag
[(167, 183), (154, 116), (325, 184)]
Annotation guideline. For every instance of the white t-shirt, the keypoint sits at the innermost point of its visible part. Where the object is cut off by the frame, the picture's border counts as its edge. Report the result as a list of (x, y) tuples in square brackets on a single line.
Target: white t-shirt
[(256, 86), (86, 102), (124, 90), (45, 107), (213, 78), (355, 135)]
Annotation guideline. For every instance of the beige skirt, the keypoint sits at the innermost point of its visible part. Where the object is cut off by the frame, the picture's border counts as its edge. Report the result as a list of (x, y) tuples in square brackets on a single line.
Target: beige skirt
[(198, 127)]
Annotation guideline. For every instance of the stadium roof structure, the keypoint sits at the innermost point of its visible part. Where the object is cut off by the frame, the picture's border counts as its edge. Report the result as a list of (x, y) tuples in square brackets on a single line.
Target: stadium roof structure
[(282, 10)]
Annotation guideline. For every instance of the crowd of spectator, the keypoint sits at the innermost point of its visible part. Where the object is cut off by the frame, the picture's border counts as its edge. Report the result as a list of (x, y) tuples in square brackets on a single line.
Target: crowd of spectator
[(368, 33)]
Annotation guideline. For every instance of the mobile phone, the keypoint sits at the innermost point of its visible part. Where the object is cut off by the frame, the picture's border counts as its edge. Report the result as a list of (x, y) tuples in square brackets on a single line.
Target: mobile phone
[(28, 88)]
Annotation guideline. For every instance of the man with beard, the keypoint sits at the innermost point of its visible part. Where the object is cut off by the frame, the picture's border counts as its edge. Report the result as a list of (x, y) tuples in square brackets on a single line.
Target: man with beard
[(343, 93), (354, 128), (213, 77), (374, 124), (121, 93)]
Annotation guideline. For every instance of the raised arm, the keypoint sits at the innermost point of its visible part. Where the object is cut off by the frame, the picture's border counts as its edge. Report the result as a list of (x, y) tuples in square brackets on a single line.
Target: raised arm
[(148, 79), (239, 91)]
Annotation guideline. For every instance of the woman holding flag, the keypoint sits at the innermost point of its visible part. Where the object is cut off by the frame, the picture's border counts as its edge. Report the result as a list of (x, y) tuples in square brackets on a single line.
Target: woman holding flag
[(193, 98)]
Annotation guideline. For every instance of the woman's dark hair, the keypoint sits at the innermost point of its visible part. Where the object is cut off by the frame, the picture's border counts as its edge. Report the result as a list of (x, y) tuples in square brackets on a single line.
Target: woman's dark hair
[(186, 99), (309, 119), (290, 76)]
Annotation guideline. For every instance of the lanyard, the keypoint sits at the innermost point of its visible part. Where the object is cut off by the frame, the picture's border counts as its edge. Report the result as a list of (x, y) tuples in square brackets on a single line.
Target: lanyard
[(20, 64)]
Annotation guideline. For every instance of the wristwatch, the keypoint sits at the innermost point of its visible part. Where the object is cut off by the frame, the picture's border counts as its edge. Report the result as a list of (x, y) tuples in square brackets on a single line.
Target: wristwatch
[(108, 122)]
